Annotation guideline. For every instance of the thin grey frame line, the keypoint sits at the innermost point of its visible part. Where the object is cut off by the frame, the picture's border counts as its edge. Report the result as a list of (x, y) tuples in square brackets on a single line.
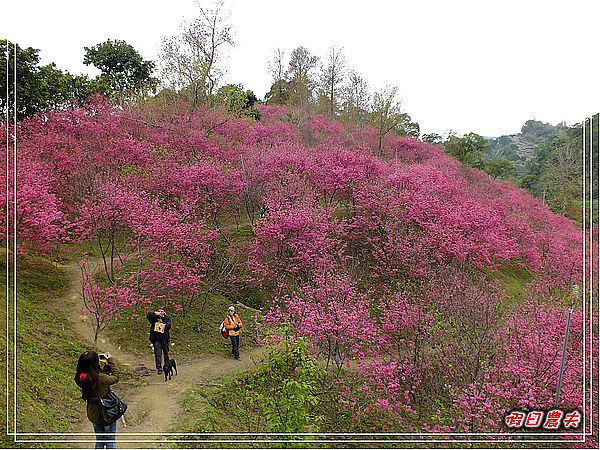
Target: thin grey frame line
[(584, 260), (588, 228), (337, 448), (592, 299), (15, 295), (584, 273), (349, 448), (588, 154), (343, 447), (591, 236), (352, 448), (15, 238), (322, 441), (591, 278), (584, 256), (588, 259), (7, 224), (306, 434)]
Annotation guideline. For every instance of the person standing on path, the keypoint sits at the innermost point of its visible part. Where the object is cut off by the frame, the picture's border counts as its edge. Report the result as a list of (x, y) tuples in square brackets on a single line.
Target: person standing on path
[(160, 324), (95, 383), (233, 323)]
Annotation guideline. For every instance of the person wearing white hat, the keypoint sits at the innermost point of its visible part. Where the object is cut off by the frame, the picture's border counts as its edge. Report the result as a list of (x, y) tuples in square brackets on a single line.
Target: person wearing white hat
[(233, 323)]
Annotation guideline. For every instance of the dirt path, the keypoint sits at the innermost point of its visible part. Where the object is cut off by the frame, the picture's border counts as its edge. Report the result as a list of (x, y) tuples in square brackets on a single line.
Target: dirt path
[(153, 404)]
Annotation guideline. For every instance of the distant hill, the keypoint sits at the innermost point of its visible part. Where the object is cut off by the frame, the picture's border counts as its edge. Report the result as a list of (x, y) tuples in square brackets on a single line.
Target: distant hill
[(520, 148)]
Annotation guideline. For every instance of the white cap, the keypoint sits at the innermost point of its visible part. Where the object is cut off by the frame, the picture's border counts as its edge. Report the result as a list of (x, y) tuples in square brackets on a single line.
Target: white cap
[(231, 308)]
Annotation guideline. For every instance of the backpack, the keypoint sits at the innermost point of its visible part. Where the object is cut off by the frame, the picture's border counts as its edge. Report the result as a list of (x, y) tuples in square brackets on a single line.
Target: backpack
[(224, 331)]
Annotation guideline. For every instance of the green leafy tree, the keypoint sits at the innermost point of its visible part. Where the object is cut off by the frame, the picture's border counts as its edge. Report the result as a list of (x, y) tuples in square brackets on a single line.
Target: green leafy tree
[(554, 172), (278, 94), (124, 71), (62, 88), (31, 97), (476, 160), (433, 138), (540, 131), (469, 148), (39, 88), (560, 179), (237, 101), (406, 127), (281, 395), (501, 169), (533, 168)]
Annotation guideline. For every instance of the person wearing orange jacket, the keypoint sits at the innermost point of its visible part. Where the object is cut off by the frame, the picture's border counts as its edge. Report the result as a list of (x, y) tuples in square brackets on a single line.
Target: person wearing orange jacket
[(233, 324)]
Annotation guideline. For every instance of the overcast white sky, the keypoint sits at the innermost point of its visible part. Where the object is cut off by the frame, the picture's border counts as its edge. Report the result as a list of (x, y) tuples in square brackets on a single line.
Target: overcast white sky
[(465, 65)]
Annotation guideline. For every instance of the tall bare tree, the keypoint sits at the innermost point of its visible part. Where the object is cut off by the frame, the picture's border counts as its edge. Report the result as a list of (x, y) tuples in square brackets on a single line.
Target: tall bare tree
[(278, 93), (385, 113), (332, 78), (191, 61), (356, 98), (300, 74)]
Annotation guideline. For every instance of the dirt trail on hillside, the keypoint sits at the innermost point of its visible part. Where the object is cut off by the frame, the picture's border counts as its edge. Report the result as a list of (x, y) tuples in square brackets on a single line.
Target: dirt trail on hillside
[(153, 404)]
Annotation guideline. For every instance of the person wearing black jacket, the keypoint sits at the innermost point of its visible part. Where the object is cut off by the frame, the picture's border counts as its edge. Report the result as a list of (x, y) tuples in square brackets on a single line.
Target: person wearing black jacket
[(160, 324)]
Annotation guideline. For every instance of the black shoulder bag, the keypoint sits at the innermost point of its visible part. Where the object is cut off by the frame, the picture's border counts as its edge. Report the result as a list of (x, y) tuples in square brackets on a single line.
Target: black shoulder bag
[(112, 407)]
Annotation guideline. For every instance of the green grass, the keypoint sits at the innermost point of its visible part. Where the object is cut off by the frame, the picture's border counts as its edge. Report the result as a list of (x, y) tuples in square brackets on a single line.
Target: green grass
[(47, 351), (199, 416), (278, 395), (342, 211), (513, 280), (195, 333)]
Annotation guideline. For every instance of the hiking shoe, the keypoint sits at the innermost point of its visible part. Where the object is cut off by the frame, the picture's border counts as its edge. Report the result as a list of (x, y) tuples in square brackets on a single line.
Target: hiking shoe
[(159, 371), (237, 358)]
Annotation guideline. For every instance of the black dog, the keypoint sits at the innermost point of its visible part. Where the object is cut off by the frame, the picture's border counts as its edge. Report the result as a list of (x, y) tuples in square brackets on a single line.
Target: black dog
[(168, 368)]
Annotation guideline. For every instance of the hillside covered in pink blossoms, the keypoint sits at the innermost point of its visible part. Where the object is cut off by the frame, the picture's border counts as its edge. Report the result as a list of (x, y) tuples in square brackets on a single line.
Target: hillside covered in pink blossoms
[(390, 271)]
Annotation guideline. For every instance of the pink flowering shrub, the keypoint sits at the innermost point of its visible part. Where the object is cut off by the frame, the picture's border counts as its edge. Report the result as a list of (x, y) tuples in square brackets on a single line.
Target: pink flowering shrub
[(332, 317), (40, 220), (524, 374), (294, 240)]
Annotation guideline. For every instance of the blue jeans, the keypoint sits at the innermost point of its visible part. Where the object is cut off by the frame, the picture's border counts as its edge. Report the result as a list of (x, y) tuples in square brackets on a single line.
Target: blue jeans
[(106, 440), (235, 346)]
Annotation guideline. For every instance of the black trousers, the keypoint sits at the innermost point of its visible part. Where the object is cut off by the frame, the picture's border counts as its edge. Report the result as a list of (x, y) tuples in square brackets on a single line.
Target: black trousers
[(235, 346), (159, 349)]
